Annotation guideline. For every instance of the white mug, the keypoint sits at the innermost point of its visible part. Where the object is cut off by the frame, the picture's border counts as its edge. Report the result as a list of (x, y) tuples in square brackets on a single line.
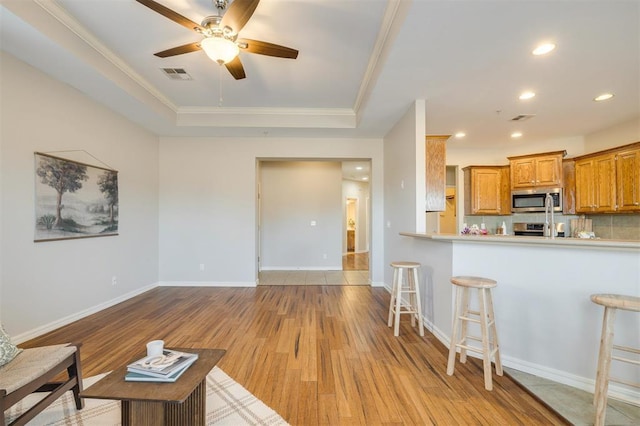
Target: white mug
[(155, 348)]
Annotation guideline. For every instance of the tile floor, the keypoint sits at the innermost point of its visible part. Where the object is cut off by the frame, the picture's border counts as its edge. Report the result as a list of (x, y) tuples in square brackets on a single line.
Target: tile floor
[(574, 404)]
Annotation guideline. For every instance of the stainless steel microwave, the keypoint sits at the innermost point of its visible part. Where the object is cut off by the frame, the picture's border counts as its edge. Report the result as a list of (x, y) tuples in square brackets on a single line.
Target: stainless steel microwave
[(533, 200)]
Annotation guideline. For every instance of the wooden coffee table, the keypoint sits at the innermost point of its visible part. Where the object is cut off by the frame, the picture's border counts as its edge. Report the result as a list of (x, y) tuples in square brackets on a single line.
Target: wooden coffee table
[(151, 403)]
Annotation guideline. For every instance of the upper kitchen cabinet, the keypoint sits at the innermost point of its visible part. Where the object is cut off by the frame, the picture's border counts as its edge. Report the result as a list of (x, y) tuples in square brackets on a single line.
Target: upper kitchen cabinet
[(595, 180), (537, 170), (436, 166), (628, 179), (487, 190), (608, 181)]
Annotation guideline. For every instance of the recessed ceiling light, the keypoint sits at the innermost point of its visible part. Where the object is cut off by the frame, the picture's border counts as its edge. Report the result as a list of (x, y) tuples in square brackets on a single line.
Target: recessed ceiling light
[(460, 135), (516, 134), (365, 178), (526, 95), (543, 49), (359, 168), (603, 97)]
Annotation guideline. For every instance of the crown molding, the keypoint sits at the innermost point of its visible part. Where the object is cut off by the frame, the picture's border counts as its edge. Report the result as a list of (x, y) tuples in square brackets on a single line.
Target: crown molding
[(342, 118)]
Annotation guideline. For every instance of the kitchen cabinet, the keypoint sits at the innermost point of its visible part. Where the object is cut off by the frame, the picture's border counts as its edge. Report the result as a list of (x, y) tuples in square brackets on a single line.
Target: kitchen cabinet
[(628, 180), (595, 179), (487, 190), (435, 170), (537, 170), (608, 181)]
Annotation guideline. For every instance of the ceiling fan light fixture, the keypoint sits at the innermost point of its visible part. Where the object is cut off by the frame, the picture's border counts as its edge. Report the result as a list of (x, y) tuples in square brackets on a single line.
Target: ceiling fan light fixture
[(543, 49), (220, 50)]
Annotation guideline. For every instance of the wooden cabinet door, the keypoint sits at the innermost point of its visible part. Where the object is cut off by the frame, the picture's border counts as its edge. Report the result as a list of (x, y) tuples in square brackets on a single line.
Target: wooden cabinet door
[(435, 169), (605, 181), (523, 173), (505, 191), (486, 185), (585, 186), (628, 180), (548, 171), (536, 170)]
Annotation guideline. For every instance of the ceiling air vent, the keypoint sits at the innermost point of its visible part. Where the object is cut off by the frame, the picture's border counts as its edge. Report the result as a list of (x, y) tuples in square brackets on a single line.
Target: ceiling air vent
[(523, 117), (176, 74)]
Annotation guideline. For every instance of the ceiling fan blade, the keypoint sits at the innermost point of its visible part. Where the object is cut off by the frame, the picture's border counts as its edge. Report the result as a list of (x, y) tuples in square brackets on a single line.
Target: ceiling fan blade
[(187, 48), (174, 16), (236, 69), (269, 49), (238, 14)]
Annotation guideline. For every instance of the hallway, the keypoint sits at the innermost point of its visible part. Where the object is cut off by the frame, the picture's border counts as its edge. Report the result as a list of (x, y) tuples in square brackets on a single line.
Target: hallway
[(355, 262)]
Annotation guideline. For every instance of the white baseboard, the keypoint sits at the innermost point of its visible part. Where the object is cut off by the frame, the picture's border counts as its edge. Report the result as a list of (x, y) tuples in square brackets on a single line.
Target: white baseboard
[(39, 331), (615, 391), (206, 284)]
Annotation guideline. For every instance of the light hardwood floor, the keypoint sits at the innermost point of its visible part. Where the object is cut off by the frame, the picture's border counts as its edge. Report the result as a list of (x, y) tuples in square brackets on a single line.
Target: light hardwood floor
[(313, 278), (315, 354), (355, 261)]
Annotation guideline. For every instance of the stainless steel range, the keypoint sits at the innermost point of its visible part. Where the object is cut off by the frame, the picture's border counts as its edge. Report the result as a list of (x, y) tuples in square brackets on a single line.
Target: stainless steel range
[(529, 229), (535, 229)]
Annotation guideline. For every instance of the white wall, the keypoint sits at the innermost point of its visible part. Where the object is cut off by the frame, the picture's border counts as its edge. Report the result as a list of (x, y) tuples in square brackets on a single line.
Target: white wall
[(208, 203), (359, 191), (498, 157), (622, 134), (404, 185), (48, 282), (301, 208)]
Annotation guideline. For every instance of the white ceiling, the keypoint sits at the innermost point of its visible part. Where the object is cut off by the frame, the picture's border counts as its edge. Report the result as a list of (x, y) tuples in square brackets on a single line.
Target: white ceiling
[(361, 65)]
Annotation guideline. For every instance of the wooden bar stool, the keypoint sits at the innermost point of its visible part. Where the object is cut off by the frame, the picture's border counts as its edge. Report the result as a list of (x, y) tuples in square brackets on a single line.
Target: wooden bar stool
[(462, 315), (611, 303), (411, 305)]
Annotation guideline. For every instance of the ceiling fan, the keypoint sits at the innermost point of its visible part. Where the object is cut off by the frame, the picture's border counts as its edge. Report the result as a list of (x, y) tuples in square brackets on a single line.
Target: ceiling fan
[(221, 42)]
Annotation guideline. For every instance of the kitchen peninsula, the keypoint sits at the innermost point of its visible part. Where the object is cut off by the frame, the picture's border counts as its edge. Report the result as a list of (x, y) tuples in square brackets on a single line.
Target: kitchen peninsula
[(547, 324)]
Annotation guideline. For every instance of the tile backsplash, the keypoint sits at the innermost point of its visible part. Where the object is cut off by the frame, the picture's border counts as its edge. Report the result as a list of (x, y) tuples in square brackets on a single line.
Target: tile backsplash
[(607, 226), (616, 226)]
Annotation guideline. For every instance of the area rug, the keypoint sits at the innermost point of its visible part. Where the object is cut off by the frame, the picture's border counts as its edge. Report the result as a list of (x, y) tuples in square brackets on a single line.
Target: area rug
[(228, 403)]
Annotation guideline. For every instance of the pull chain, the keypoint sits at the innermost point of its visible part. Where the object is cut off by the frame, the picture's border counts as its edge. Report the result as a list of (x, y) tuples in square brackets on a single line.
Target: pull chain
[(220, 86)]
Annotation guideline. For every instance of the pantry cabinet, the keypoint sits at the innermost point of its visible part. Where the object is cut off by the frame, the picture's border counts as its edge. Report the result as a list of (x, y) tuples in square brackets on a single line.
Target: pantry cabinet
[(487, 190), (537, 170)]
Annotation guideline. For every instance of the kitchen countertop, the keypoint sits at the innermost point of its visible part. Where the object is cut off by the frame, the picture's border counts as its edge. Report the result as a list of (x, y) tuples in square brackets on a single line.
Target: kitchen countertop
[(512, 239)]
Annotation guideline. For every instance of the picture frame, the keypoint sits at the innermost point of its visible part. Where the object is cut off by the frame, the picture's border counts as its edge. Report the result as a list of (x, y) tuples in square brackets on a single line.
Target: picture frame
[(73, 199)]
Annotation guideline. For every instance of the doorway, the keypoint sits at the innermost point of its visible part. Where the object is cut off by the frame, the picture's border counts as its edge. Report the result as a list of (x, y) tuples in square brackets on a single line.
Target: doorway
[(351, 215), (303, 218)]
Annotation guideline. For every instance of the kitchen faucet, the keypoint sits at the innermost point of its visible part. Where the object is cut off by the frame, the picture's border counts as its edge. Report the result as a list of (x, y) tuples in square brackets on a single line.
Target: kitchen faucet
[(549, 227)]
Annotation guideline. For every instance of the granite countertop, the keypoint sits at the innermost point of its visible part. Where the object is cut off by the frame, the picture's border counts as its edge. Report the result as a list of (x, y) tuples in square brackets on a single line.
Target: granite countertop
[(512, 239)]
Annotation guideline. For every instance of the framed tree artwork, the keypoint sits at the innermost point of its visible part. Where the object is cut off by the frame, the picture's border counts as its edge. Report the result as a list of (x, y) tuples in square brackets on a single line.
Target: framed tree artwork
[(74, 200)]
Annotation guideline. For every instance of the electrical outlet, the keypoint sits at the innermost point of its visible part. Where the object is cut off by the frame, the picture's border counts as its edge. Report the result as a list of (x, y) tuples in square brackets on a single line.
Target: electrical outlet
[(114, 280), (324, 256), (202, 266)]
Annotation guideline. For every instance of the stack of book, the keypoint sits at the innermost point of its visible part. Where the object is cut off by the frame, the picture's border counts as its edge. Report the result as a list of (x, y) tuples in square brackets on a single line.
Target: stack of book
[(162, 368)]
